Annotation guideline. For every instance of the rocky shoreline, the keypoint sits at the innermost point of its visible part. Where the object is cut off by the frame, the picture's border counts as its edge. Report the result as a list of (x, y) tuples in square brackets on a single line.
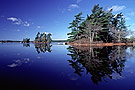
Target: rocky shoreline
[(101, 44)]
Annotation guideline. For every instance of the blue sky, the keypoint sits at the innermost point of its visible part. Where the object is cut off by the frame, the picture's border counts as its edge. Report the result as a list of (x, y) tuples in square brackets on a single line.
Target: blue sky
[(24, 18)]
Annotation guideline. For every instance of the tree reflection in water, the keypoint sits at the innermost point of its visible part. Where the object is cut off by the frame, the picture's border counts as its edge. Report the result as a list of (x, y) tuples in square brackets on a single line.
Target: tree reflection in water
[(99, 62), (43, 48), (26, 45)]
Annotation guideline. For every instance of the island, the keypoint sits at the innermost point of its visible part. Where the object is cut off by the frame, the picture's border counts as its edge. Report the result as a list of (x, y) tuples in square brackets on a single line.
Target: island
[(100, 28)]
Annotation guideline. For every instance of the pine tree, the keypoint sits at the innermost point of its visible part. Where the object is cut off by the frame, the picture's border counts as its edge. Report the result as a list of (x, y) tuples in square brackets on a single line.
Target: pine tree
[(118, 29), (74, 26), (37, 38), (101, 25), (97, 24), (26, 40), (49, 40), (44, 37)]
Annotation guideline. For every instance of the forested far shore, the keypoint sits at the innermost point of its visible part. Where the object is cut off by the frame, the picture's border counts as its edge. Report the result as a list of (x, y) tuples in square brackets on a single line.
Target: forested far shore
[(4, 41), (8, 41)]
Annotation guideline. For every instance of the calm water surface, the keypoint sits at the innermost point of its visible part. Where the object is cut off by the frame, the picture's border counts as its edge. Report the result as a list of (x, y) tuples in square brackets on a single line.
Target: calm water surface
[(62, 67)]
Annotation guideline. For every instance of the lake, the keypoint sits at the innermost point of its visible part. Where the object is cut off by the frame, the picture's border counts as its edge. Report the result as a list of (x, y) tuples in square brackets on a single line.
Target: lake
[(63, 67)]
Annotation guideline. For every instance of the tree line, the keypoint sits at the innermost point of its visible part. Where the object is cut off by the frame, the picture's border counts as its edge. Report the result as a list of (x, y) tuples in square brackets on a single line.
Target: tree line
[(101, 25), (40, 38), (26, 40), (43, 38)]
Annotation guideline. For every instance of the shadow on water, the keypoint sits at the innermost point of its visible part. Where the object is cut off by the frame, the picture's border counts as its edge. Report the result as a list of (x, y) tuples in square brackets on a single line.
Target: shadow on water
[(43, 48), (101, 62)]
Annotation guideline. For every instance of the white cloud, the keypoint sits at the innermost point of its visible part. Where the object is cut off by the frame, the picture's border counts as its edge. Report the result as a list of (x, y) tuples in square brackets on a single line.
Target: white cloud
[(26, 24), (18, 21), (72, 6), (12, 19), (13, 65), (46, 32), (117, 8), (39, 27)]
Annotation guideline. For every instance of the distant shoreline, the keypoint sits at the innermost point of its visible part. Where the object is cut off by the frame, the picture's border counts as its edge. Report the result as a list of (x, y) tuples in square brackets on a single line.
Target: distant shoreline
[(77, 44), (6, 41)]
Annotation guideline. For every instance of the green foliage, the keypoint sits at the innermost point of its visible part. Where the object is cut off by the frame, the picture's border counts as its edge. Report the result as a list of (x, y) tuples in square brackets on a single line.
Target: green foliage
[(49, 40), (26, 40), (119, 29), (100, 25), (131, 39), (43, 38), (74, 26)]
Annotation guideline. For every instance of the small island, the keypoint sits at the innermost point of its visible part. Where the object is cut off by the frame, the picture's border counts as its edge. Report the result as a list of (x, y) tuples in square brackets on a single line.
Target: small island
[(100, 28), (43, 38)]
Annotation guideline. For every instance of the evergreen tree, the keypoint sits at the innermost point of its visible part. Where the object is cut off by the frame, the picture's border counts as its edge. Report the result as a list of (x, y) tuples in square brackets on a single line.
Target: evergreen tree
[(41, 37), (97, 24), (74, 26), (37, 38), (122, 30), (49, 38), (118, 29), (101, 25), (44, 37), (26, 40)]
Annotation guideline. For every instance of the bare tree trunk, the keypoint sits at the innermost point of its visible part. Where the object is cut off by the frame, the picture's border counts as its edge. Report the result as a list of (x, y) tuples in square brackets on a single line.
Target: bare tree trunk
[(92, 37)]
